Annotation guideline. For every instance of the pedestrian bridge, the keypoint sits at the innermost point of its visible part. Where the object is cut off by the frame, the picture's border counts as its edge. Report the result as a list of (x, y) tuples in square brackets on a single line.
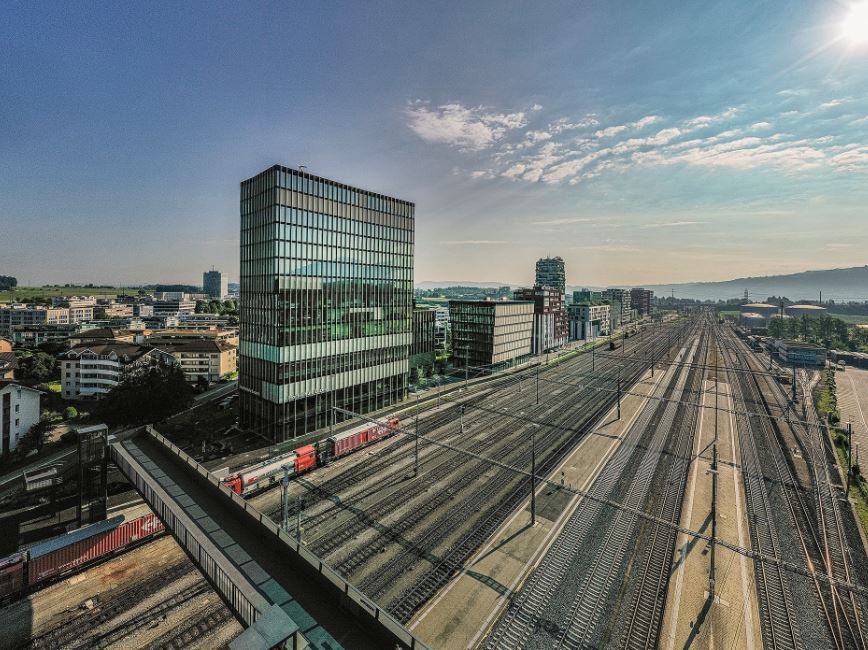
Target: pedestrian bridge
[(281, 592)]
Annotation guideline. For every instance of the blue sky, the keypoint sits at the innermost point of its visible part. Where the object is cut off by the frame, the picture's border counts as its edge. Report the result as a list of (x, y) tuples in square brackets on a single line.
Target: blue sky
[(644, 142)]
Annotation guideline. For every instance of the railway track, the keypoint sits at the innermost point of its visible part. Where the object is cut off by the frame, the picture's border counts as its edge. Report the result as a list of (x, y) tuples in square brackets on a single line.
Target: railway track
[(540, 608), (461, 528), (78, 631)]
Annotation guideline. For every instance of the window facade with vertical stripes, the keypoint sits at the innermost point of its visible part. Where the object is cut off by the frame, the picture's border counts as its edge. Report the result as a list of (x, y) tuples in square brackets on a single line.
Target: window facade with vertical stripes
[(326, 301)]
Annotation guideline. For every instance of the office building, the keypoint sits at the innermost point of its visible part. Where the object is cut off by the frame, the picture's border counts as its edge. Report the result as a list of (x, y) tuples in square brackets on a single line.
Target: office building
[(326, 301), (550, 327), (588, 321), (640, 301), (173, 308), (19, 411), (490, 333), (441, 330), (215, 284), (422, 347)]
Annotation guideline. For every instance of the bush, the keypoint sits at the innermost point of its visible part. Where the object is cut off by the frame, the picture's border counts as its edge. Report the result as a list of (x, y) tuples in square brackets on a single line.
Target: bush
[(70, 413)]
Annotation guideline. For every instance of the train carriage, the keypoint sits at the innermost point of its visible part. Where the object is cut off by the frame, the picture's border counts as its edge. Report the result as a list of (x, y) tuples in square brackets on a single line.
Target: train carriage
[(11, 575)]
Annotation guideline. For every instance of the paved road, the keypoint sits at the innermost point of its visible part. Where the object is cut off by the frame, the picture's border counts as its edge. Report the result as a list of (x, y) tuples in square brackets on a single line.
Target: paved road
[(852, 393), (219, 391), (41, 462)]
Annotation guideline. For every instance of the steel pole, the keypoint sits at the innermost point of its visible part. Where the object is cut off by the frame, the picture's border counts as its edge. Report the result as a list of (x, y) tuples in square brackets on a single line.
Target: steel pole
[(298, 533), (416, 430), (849, 456), (285, 497), (619, 393), (533, 478), (537, 384)]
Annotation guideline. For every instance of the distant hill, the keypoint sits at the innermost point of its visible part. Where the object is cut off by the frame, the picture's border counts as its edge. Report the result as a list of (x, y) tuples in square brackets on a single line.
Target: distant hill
[(839, 285)]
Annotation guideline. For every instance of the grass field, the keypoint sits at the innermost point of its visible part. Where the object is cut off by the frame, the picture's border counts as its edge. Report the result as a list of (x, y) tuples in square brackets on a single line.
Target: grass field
[(853, 319), (23, 294)]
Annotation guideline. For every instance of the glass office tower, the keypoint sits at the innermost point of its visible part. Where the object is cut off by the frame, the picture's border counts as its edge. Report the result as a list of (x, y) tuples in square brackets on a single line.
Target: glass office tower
[(326, 301)]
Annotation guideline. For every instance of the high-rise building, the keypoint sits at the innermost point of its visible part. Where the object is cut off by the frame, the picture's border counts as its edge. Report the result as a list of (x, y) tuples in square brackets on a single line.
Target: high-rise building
[(326, 301), (215, 284), (550, 273)]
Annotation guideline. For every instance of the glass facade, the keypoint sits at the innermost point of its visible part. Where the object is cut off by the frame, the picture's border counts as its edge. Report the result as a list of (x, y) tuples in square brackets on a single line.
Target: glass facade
[(488, 333), (326, 301)]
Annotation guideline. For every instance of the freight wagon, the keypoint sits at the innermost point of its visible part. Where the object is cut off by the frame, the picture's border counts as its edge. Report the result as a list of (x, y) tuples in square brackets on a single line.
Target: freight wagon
[(46, 561), (269, 472)]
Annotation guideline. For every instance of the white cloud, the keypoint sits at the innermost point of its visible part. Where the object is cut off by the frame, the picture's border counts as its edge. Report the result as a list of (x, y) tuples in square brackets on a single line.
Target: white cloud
[(610, 131), (672, 224), (704, 121), (457, 125), (536, 107), (759, 126), (615, 130), (538, 136), (838, 246), (832, 103), (563, 222), (589, 121), (474, 242)]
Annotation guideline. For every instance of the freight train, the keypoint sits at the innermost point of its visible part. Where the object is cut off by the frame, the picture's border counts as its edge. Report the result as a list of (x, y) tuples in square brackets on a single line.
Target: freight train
[(270, 472), (46, 561)]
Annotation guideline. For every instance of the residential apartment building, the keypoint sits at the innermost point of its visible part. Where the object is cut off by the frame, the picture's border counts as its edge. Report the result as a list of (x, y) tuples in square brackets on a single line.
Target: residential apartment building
[(491, 333), (640, 300), (19, 411), (90, 370), (200, 359), (32, 336), (588, 321), (20, 315), (215, 284), (551, 272), (620, 307), (550, 327), (326, 301)]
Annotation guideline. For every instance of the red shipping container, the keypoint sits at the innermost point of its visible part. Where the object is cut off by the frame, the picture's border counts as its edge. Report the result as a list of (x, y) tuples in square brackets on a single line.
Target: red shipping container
[(62, 554), (11, 575)]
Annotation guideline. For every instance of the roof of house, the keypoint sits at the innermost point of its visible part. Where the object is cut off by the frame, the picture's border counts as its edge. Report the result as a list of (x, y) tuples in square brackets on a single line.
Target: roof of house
[(11, 382), (104, 333), (172, 346), (8, 361), (105, 348)]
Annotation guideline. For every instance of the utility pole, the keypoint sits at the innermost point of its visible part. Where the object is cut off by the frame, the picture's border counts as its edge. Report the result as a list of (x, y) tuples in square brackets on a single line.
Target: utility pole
[(466, 363), (416, 431), (537, 384), (794, 384), (298, 531), (849, 457), (533, 476), (593, 356), (461, 417), (285, 497), (619, 393)]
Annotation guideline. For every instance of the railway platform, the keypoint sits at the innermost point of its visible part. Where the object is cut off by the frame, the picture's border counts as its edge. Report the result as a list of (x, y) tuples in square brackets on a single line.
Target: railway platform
[(251, 562)]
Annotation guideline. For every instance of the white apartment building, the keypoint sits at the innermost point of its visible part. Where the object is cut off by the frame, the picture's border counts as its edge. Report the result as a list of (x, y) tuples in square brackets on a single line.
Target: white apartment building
[(19, 410), (90, 370)]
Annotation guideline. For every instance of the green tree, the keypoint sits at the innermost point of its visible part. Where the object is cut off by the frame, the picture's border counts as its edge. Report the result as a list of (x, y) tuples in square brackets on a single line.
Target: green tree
[(37, 368), (146, 398), (35, 437), (201, 307), (70, 413), (414, 375)]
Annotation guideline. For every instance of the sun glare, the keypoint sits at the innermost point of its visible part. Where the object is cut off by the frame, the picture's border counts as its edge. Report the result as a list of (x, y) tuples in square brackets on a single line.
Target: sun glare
[(855, 26)]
